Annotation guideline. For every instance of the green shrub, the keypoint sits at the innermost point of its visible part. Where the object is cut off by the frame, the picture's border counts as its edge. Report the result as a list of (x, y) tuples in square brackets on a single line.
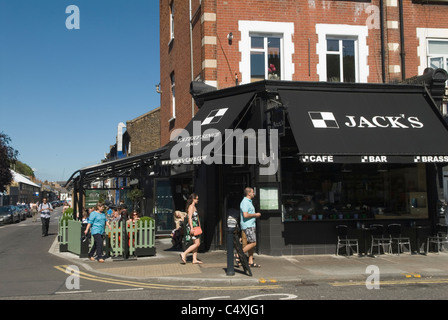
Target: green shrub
[(142, 220)]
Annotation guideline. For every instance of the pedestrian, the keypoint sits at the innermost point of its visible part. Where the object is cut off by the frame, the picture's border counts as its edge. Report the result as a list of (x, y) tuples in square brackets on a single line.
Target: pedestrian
[(33, 207), (248, 218), (97, 224), (192, 225), (45, 209), (65, 207)]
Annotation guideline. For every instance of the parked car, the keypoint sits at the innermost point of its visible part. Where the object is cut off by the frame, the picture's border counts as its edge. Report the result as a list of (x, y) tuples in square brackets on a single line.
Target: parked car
[(9, 214), (22, 211), (27, 210)]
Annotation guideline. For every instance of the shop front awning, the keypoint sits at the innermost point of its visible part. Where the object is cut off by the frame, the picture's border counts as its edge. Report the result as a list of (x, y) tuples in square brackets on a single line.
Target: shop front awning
[(128, 167), (366, 124), (202, 139)]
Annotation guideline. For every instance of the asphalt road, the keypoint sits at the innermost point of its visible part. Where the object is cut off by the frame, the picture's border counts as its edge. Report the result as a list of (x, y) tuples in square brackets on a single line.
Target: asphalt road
[(29, 272)]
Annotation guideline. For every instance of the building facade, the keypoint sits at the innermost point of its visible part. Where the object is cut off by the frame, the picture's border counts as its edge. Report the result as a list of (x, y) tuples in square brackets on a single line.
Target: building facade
[(226, 42)]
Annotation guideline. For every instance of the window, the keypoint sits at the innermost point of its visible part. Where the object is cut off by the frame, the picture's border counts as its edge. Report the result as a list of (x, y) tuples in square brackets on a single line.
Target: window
[(438, 54), (341, 60), (342, 51), (265, 58), (172, 20), (356, 192), (266, 50), (173, 96)]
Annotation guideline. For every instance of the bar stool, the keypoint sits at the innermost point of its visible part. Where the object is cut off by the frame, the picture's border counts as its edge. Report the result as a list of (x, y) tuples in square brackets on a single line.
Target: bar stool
[(440, 237), (378, 239), (394, 230), (344, 241)]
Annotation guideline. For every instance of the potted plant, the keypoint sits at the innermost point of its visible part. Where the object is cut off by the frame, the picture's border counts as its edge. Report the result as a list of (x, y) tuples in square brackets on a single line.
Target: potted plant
[(135, 196)]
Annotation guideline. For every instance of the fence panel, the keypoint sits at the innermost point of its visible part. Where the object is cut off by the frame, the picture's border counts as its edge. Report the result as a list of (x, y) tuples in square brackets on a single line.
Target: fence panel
[(74, 236)]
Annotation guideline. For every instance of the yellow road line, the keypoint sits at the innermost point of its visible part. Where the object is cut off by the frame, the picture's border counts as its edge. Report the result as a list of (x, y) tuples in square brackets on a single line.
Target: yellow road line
[(392, 282), (129, 283)]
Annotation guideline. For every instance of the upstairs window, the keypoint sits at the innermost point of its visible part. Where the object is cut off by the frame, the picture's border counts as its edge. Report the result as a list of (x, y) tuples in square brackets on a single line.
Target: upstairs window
[(173, 96), (172, 20), (341, 60), (265, 58), (438, 54)]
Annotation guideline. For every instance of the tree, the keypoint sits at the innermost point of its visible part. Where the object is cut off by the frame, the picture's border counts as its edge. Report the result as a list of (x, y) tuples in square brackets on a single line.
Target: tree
[(24, 169), (7, 156)]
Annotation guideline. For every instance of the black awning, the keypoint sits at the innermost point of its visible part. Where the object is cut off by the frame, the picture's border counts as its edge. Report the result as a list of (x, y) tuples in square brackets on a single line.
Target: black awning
[(124, 167), (206, 131), (362, 125)]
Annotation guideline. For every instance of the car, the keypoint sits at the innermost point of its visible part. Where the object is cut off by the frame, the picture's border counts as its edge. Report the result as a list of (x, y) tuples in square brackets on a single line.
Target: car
[(22, 210), (27, 210), (9, 214)]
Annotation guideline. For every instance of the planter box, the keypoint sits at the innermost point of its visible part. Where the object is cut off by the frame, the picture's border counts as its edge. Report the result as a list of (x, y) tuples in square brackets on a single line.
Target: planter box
[(142, 252)]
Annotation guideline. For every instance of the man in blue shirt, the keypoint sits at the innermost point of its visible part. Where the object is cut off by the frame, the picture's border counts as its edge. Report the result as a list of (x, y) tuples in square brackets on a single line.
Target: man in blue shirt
[(248, 217)]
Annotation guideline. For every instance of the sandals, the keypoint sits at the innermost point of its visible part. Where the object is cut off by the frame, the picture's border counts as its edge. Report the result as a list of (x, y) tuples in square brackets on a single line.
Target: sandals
[(254, 265), (183, 259), (237, 262)]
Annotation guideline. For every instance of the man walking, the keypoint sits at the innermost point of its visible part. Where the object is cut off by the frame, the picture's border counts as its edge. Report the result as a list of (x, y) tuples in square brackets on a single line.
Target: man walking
[(247, 222), (45, 210)]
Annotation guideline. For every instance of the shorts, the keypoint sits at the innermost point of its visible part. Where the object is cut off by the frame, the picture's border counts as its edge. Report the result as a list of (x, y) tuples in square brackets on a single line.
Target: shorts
[(250, 235)]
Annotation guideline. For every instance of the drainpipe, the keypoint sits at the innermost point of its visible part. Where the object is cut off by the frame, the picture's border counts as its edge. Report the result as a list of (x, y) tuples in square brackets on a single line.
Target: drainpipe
[(383, 52), (402, 51)]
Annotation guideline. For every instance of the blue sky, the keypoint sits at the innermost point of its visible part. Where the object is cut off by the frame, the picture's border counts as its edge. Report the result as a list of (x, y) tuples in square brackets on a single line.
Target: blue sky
[(63, 92)]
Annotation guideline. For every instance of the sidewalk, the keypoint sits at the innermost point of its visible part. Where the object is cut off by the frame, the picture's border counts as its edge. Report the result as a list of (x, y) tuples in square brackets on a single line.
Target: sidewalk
[(166, 266)]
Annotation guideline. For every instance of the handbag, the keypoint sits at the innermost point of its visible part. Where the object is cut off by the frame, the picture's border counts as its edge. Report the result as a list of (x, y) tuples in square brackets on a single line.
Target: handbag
[(197, 231)]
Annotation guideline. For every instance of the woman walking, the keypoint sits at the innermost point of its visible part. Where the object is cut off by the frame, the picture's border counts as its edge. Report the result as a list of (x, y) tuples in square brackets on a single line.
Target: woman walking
[(97, 222), (191, 229)]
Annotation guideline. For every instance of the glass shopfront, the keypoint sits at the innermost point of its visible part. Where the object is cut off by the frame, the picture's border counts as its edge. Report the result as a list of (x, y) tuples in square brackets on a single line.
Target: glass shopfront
[(352, 191)]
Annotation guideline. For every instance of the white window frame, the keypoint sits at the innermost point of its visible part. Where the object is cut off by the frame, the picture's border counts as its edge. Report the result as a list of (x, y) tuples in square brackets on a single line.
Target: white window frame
[(444, 57), (425, 34), (340, 52), (333, 31), (173, 96), (265, 50), (171, 20), (284, 30)]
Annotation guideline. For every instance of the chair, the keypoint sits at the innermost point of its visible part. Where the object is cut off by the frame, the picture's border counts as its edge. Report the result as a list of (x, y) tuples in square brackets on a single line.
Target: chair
[(378, 240), (440, 237), (344, 241), (396, 238)]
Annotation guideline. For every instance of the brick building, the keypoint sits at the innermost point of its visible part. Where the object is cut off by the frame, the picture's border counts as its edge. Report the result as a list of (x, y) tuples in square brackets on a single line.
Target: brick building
[(347, 53), (144, 132)]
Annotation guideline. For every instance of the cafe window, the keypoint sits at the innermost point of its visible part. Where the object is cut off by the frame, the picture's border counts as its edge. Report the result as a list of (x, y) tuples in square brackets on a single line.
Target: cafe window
[(353, 191)]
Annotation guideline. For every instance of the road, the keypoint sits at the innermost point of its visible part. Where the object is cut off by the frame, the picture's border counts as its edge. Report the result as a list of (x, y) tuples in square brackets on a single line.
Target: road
[(29, 272)]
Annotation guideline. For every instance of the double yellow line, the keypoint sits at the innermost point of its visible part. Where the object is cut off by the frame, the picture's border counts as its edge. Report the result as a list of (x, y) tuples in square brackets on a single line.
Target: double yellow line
[(86, 276), (416, 280)]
